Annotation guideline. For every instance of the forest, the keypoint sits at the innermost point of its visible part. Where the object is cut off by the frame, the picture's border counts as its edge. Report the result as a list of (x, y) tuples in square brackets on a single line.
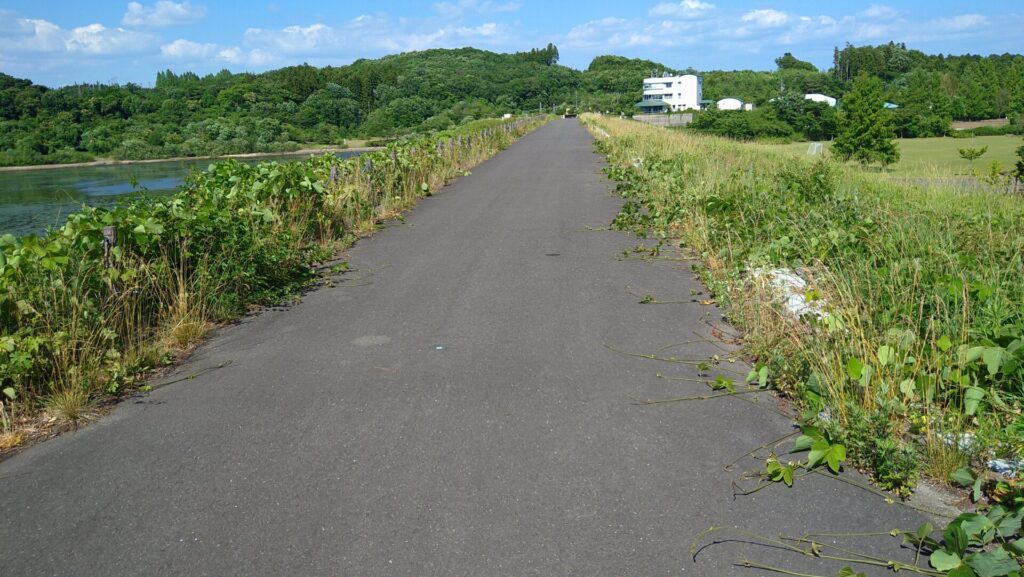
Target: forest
[(184, 114)]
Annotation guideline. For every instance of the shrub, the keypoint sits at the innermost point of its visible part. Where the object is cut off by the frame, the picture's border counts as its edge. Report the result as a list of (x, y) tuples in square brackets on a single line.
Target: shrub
[(79, 318)]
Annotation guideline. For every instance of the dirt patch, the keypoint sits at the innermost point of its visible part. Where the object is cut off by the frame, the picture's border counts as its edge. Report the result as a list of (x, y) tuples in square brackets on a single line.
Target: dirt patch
[(969, 124)]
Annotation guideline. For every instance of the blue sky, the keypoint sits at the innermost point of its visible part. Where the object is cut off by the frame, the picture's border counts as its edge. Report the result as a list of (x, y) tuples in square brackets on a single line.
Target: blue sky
[(58, 42)]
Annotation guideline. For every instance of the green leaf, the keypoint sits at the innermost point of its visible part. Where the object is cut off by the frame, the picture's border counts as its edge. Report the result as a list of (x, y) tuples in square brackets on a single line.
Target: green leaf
[(886, 354), (972, 354), (963, 477), (944, 343), (1008, 523), (787, 475), (818, 451), (944, 560), (835, 457), (954, 538), (802, 443), (925, 530), (962, 571), (993, 357), (10, 393), (865, 378), (994, 563), (724, 383), (979, 528), (760, 374), (1016, 546), (855, 369), (972, 399), (908, 387)]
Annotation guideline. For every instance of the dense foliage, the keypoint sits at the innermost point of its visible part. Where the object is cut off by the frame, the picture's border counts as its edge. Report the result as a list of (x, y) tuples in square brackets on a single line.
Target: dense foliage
[(188, 115), (916, 360), (930, 91), (79, 317), (865, 127), (743, 125)]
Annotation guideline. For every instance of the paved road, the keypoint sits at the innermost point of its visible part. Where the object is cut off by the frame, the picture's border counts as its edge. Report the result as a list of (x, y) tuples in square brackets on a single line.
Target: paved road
[(447, 409)]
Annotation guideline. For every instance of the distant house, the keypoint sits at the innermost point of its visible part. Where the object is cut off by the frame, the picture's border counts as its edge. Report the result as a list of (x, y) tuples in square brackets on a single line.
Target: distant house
[(815, 97), (733, 104), (730, 104), (671, 93)]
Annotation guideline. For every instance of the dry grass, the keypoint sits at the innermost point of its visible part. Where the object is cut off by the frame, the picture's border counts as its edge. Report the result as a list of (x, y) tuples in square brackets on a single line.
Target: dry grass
[(70, 404), (886, 290), (942, 460), (10, 440)]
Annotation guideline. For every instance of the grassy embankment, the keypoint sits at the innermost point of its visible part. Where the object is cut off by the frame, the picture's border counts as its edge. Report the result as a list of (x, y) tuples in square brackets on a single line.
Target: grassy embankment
[(922, 340), (80, 322), (939, 157)]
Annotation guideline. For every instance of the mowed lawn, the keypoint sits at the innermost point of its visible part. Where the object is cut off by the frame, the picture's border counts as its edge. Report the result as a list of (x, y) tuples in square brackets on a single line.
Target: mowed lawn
[(940, 156)]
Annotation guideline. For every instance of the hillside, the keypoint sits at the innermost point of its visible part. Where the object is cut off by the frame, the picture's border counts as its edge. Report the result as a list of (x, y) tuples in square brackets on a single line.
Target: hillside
[(188, 115)]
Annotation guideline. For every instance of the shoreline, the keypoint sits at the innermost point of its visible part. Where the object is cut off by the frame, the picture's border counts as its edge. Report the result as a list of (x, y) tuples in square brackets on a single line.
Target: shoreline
[(112, 162)]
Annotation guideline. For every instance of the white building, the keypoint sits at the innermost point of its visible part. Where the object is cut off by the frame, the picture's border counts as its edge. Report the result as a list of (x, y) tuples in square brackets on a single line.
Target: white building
[(815, 97), (730, 104), (672, 93)]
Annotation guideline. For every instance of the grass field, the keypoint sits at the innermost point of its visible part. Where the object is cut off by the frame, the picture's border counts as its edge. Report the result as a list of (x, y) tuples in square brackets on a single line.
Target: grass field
[(920, 286), (939, 156)]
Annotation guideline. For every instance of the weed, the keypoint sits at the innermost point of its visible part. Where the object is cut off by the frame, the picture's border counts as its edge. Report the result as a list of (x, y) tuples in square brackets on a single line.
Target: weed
[(921, 328), (82, 314), (69, 404), (943, 460)]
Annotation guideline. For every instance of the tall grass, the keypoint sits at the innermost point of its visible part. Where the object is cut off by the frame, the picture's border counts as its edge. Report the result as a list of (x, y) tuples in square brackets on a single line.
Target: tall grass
[(80, 319), (923, 339)]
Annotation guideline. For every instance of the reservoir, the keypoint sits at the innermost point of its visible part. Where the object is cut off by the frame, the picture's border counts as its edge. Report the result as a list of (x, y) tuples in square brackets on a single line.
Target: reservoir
[(31, 201)]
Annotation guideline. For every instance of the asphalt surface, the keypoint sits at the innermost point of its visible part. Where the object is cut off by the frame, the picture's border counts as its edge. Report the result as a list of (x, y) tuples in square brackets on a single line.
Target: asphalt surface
[(450, 408)]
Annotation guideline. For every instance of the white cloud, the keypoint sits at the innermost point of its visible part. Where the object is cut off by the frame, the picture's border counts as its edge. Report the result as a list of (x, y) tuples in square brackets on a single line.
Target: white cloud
[(880, 11), (368, 34), (294, 39), (255, 57), (962, 23), (187, 50), (163, 13), (766, 18), (487, 29), (33, 35), (98, 39), (684, 9), (596, 31), (462, 7)]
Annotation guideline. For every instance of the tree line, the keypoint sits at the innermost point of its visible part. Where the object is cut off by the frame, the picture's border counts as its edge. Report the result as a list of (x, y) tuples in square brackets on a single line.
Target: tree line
[(184, 114)]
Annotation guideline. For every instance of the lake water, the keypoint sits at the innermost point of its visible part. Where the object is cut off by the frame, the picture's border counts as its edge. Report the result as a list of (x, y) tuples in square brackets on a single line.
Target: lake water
[(32, 201)]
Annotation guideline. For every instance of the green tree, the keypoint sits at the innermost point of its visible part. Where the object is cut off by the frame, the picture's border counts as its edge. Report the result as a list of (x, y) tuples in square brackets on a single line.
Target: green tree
[(864, 127), (924, 109), (789, 62), (972, 154)]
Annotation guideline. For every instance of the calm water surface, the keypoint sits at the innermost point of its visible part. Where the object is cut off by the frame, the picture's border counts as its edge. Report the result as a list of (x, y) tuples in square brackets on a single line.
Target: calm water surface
[(34, 200)]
